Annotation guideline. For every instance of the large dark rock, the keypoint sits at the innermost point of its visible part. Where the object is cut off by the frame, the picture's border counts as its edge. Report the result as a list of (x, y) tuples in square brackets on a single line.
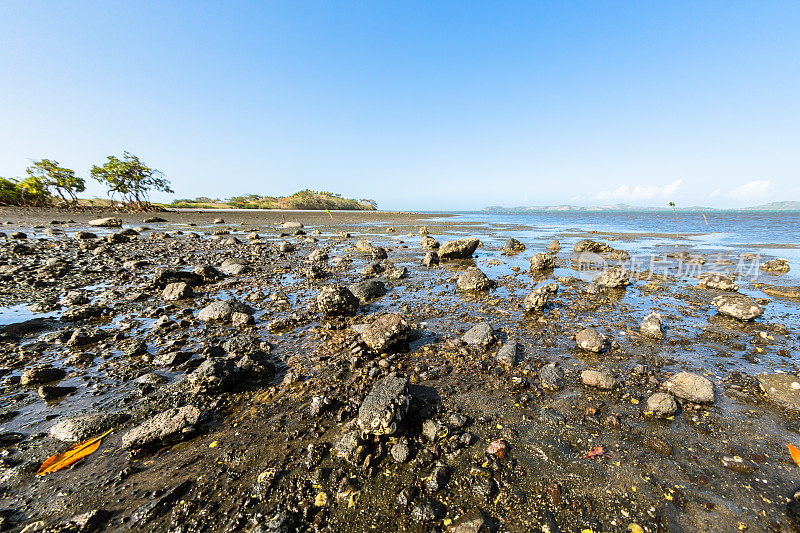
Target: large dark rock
[(385, 406), (84, 427), (691, 387), (738, 306), (481, 334), (368, 289), (223, 310), (164, 426), (542, 261), (591, 340), (215, 374), (474, 280), (588, 245), (335, 300), (616, 276), (782, 389), (460, 249), (386, 332)]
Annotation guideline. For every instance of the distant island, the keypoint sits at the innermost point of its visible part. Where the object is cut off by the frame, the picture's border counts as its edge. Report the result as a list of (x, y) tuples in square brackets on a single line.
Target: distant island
[(772, 206), (305, 199)]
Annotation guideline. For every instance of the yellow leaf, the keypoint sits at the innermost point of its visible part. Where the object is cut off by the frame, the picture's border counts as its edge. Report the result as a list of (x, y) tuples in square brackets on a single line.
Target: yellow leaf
[(214, 444), (71, 456), (795, 454)]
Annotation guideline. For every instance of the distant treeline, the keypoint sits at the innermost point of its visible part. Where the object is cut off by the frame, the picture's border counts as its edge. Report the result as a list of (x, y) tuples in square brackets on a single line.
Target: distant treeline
[(126, 179), (305, 199)]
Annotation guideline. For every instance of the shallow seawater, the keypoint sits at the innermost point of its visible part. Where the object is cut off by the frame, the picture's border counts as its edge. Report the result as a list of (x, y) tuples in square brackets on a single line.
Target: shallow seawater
[(16, 314)]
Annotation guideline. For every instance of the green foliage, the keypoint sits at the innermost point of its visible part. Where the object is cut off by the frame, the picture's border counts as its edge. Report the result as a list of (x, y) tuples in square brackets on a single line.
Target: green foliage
[(29, 192), (305, 199), (130, 179), (56, 178)]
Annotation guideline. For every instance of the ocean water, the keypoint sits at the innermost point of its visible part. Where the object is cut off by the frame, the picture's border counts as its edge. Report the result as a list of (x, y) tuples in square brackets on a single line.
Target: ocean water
[(767, 234)]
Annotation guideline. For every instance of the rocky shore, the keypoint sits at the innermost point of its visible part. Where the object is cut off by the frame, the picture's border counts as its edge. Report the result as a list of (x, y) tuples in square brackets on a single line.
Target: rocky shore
[(373, 371)]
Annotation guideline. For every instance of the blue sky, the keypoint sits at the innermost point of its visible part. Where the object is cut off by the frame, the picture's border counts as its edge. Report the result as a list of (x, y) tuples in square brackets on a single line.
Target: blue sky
[(418, 105)]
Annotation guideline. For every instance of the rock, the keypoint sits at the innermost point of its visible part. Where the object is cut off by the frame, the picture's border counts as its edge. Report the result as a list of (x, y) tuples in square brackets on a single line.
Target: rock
[(385, 406), (219, 220), (368, 290), (459, 421), (437, 480), (335, 300), (433, 430), (386, 332), (430, 259), (554, 247), (401, 452), (167, 276), (235, 266), (661, 405), (391, 271), (82, 428), (83, 312), (255, 366), (348, 446), (719, 282), (775, 265), (782, 292), (539, 298), (613, 277), (588, 245), (430, 243), (601, 380), (427, 511), (471, 522), (782, 389), (41, 374), (166, 425), (318, 254), (177, 291), (154, 220), (52, 392), (513, 246), (286, 246), (509, 353), (319, 404), (109, 222), (652, 326), (474, 280), (619, 255), (551, 376), (481, 334), (460, 249), (215, 374), (738, 306), (294, 225), (542, 261), (222, 310), (691, 387), (591, 340)]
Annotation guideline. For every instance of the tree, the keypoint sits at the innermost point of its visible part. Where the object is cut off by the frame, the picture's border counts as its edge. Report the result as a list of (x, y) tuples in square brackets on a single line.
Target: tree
[(59, 179), (32, 191), (130, 178), (675, 212)]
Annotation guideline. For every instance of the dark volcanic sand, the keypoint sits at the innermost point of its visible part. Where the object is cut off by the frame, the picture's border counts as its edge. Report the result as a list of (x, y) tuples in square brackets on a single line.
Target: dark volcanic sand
[(264, 454)]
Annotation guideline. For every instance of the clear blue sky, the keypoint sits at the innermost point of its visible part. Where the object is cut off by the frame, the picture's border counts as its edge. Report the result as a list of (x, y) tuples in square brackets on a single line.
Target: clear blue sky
[(419, 105)]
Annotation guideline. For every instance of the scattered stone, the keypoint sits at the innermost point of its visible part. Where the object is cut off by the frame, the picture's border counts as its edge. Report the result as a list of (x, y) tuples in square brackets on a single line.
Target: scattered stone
[(738, 306), (430, 259), (215, 374), (509, 353), (460, 249), (481, 334), (430, 243), (164, 426), (385, 406), (368, 290), (474, 280), (776, 265), (539, 298), (591, 340), (335, 300), (691, 387), (513, 246), (782, 389), (594, 378), (719, 282), (661, 405), (551, 376), (401, 452), (177, 291), (109, 222), (222, 310), (652, 326), (542, 261), (588, 245), (387, 332), (85, 427), (41, 374), (614, 277)]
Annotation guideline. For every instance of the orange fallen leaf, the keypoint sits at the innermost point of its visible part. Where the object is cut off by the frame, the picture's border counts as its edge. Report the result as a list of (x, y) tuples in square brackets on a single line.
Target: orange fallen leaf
[(71, 456), (597, 451), (795, 453)]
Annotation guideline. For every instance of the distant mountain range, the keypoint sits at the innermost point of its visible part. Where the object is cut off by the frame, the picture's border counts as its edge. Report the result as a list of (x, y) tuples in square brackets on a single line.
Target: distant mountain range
[(772, 206)]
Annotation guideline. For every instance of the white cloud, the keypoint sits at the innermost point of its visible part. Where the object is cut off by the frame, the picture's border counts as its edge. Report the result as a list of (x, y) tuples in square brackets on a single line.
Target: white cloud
[(639, 192), (752, 190)]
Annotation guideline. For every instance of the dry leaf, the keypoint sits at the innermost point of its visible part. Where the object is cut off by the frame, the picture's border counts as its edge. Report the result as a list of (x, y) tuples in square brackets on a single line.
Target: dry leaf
[(72, 455), (795, 454), (597, 451)]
